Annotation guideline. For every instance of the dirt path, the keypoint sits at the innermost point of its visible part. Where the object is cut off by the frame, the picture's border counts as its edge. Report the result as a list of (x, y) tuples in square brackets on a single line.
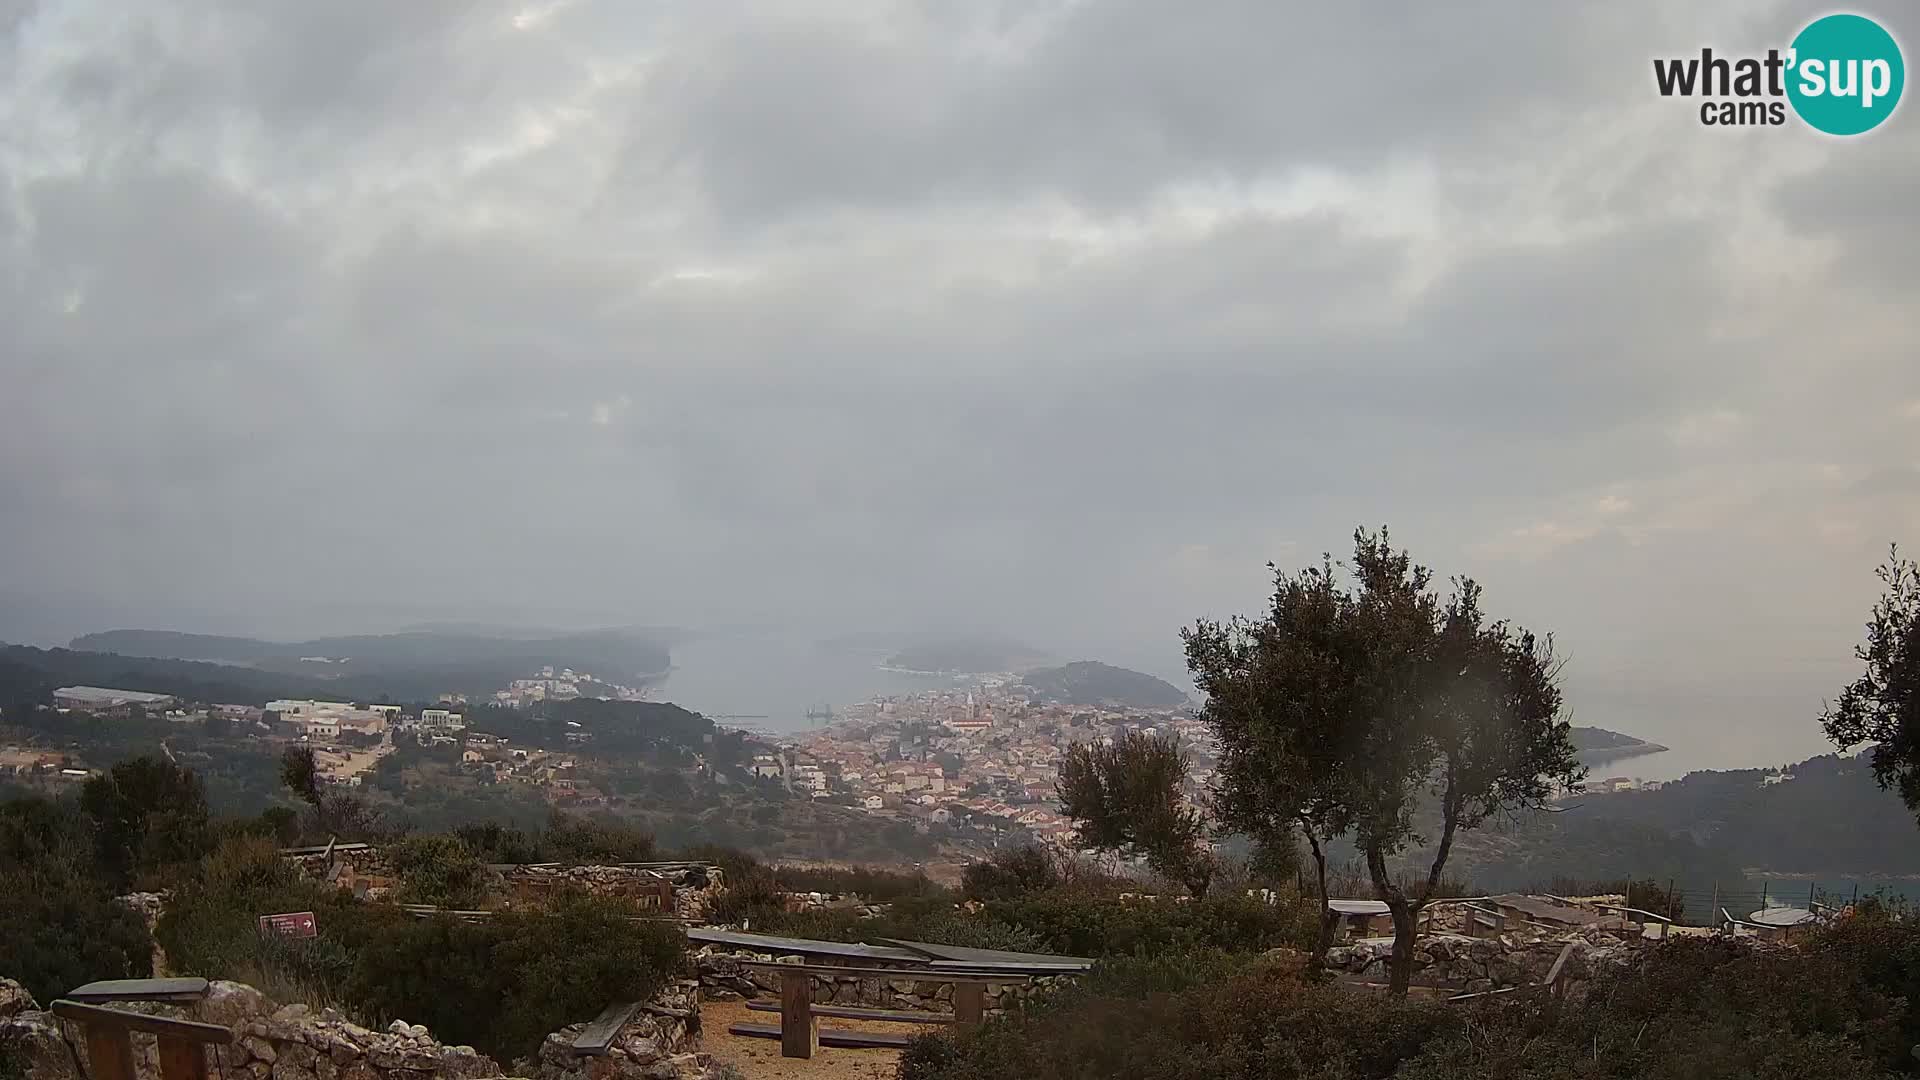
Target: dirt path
[(760, 1058)]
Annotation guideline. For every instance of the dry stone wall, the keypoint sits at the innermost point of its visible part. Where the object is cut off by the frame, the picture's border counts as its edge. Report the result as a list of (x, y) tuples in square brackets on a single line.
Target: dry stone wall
[(1471, 965), (295, 1042), (724, 977)]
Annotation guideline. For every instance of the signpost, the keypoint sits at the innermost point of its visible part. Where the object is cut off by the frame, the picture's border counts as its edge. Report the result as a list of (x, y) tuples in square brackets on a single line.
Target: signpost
[(297, 924)]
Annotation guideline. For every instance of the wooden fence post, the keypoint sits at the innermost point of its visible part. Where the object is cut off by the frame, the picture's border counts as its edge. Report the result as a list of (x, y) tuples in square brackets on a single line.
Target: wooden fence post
[(969, 1003), (799, 1028)]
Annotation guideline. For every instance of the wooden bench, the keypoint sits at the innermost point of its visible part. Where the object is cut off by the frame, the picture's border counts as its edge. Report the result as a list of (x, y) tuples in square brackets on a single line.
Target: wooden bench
[(183, 1043), (597, 1037), (849, 1012), (799, 1031), (848, 1040), (173, 990)]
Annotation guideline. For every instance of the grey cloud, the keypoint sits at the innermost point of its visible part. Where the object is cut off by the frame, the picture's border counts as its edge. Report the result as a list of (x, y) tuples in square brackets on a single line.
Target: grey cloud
[(1057, 318)]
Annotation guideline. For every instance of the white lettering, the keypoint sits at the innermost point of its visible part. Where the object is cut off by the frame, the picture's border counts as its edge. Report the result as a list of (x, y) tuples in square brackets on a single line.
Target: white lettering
[(1813, 77), (1879, 79), (1847, 87)]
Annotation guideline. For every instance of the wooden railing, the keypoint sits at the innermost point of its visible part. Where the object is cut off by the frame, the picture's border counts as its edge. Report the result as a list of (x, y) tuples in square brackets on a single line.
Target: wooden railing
[(108, 1036), (799, 1031)]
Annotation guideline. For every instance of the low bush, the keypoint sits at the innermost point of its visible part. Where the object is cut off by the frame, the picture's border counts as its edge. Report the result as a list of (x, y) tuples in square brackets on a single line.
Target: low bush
[(60, 928), (438, 869), (1715, 1010), (499, 985), (502, 984)]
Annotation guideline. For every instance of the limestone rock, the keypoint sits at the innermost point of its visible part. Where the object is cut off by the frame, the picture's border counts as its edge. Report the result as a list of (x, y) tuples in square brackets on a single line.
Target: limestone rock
[(231, 1004), (14, 999)]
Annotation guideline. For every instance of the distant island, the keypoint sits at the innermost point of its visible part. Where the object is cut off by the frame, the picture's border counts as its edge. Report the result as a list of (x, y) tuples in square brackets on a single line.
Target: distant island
[(1596, 745), (964, 656), (1090, 683), (415, 664)]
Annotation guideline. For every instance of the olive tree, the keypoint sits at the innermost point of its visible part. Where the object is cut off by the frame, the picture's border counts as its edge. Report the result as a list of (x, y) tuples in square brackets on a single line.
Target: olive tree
[(1366, 701), (1882, 706), (1125, 796)]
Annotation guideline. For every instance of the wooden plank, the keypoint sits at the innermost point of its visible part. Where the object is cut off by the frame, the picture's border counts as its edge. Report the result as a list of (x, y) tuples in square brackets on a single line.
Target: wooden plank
[(852, 1040), (95, 1016), (969, 1003), (1558, 965), (597, 1037), (109, 1053), (182, 1059), (799, 1028), (916, 974), (140, 990), (850, 1012)]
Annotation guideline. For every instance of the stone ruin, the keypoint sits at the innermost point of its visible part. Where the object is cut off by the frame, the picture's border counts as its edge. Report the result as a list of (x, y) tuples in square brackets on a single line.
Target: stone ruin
[(1472, 965), (295, 1042), (681, 889), (724, 977)]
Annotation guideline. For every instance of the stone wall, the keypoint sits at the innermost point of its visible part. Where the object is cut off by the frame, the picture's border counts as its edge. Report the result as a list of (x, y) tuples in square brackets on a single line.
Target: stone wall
[(693, 885), (1471, 965), (723, 977), (294, 1042), (660, 1043)]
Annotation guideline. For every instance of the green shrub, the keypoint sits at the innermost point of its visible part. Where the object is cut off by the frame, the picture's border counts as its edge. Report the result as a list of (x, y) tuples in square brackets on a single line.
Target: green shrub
[(1011, 874), (211, 927), (438, 869), (502, 984), (1077, 923), (60, 928), (1712, 1009)]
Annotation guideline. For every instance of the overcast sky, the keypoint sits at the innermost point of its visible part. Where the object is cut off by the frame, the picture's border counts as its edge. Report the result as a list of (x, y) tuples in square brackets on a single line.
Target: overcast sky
[(1056, 316)]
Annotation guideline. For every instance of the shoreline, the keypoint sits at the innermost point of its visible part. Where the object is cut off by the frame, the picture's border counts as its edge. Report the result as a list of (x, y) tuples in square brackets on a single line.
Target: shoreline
[(1600, 755)]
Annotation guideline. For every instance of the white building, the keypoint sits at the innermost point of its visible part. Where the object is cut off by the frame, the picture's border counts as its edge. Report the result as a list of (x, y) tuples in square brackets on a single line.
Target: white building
[(441, 721), (102, 697)]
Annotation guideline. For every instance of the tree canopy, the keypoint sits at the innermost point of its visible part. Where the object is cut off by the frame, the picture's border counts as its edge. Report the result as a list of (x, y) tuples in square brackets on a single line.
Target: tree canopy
[(1882, 706), (1365, 694), (1125, 796)]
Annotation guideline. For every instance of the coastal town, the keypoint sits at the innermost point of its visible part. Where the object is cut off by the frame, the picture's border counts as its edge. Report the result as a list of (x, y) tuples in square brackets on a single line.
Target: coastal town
[(975, 760), (982, 755)]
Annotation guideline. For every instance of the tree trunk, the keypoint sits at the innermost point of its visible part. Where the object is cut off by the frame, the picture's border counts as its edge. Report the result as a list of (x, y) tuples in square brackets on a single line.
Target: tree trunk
[(1400, 968), (1400, 974), (1329, 919)]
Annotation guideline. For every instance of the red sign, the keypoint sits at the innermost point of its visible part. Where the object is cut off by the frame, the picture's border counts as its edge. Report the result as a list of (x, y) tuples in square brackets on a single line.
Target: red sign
[(298, 924)]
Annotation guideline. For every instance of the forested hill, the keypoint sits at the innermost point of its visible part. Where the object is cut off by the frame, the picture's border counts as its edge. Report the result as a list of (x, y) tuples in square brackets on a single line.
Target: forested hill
[(964, 655), (29, 676), (1599, 744), (1088, 682), (1824, 816), (420, 664)]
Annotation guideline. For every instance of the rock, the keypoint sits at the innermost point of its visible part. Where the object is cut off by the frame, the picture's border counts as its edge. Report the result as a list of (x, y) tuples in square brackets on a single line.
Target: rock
[(14, 999), (231, 1004), (261, 1049), (287, 1070), (400, 1027), (642, 1050), (34, 1041)]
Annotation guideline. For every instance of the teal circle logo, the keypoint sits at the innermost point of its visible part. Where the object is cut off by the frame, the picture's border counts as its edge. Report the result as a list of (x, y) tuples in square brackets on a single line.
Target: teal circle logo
[(1845, 74)]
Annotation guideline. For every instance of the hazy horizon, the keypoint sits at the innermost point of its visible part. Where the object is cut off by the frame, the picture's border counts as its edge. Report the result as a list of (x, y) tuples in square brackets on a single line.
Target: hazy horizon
[(1051, 318)]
